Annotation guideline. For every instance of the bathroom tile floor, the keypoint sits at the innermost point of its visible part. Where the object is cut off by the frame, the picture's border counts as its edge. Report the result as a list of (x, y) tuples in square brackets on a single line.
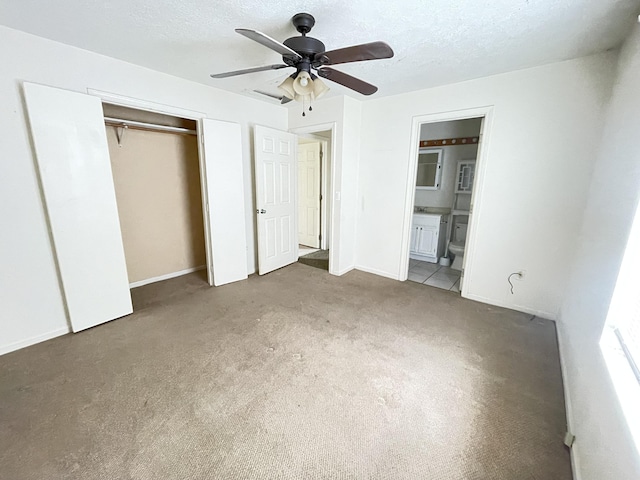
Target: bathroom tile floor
[(434, 275)]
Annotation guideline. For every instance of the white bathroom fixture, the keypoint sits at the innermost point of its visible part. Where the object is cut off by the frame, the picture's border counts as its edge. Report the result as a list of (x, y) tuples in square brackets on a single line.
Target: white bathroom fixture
[(460, 211), (456, 246), (427, 237)]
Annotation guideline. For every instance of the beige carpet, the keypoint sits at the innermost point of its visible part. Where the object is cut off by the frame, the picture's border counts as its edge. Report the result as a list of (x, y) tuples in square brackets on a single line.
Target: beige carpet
[(294, 375)]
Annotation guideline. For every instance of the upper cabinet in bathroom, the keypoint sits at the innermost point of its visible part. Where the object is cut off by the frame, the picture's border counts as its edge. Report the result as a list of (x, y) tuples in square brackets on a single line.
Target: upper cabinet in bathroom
[(429, 168), (464, 179)]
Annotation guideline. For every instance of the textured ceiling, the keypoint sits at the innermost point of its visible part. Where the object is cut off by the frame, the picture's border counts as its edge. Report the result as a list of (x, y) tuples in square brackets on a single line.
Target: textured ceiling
[(436, 42)]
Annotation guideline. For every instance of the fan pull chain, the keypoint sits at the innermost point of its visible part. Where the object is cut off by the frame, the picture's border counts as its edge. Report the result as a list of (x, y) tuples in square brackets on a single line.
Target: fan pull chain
[(304, 106)]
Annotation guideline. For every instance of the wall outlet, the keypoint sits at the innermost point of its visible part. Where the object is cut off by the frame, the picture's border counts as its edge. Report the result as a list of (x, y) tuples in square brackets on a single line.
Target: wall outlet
[(520, 275)]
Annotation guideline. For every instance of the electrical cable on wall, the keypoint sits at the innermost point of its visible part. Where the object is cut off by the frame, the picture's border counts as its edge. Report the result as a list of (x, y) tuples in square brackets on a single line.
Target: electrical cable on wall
[(519, 274)]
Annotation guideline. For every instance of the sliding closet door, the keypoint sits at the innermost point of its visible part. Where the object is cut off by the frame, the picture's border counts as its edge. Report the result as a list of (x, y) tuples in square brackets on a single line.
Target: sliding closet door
[(223, 188), (70, 143)]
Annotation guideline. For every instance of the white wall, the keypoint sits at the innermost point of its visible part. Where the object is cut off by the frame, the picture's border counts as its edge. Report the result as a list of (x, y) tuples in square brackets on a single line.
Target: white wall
[(451, 155), (345, 113), (603, 448), (546, 128), (31, 307)]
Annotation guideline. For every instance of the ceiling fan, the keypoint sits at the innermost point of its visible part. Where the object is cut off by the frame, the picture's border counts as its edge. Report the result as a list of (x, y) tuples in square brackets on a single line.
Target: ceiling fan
[(308, 55)]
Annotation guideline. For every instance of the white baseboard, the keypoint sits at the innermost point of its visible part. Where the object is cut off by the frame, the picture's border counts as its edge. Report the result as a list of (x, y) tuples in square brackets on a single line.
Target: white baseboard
[(167, 276), (343, 271), (575, 463), (375, 271), (33, 340), (519, 308)]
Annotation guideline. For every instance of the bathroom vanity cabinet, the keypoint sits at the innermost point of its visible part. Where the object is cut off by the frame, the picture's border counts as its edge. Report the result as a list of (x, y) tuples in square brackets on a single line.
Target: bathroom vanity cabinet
[(427, 237)]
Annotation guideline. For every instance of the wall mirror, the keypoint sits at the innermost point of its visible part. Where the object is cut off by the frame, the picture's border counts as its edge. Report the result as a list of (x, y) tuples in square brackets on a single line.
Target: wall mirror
[(429, 168)]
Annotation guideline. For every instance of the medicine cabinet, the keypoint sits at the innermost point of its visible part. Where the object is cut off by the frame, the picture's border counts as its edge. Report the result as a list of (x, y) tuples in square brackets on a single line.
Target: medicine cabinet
[(429, 168)]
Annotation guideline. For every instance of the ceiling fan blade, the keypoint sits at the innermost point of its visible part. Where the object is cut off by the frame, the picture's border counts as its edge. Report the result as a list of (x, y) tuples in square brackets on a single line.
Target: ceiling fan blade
[(356, 53), (348, 81), (268, 42), (248, 70)]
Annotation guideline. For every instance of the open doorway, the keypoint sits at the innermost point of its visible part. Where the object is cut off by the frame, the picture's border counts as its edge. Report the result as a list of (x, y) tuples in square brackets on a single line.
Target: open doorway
[(281, 225), (314, 198), (156, 174), (446, 163)]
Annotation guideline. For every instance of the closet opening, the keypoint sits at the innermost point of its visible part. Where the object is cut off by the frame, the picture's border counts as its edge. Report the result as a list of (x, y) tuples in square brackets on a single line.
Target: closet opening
[(157, 179)]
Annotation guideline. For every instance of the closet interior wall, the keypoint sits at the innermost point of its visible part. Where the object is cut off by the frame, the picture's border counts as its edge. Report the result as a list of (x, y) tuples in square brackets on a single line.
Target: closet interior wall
[(157, 183)]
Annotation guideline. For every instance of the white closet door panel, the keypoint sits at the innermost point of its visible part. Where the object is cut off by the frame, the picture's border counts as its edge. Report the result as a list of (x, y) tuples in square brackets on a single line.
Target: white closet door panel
[(73, 158), (224, 191)]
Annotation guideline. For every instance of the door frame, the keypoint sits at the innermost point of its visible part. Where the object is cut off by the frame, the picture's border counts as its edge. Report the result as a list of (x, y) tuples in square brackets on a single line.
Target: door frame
[(124, 101), (486, 112), (327, 215)]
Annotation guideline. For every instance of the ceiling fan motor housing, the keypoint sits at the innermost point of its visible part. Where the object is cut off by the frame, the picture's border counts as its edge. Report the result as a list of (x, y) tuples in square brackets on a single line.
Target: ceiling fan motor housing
[(306, 46)]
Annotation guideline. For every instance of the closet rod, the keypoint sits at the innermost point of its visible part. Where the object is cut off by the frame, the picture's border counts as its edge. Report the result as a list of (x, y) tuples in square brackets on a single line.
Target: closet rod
[(118, 122)]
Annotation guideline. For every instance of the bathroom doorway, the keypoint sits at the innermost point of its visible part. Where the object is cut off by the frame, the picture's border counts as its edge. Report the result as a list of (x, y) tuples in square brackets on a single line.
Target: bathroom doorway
[(446, 160)]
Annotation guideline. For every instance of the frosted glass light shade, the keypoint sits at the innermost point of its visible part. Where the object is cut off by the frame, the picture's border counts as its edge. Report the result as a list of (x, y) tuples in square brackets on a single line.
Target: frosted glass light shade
[(303, 85), (319, 88), (286, 88)]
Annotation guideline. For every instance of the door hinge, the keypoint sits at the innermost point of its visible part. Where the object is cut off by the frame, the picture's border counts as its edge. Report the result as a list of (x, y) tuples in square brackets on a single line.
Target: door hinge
[(320, 197), (470, 209), (319, 237)]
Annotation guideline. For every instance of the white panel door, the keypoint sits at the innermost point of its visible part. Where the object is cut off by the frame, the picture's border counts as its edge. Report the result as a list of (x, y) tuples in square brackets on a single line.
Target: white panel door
[(70, 143), (309, 194), (276, 179), (223, 201)]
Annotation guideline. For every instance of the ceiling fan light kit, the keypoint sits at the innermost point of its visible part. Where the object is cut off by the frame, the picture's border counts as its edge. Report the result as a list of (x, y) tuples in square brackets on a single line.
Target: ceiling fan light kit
[(307, 54), (303, 84)]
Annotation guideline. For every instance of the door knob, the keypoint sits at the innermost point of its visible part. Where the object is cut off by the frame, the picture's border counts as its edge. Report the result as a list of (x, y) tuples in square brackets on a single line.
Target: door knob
[(262, 210)]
